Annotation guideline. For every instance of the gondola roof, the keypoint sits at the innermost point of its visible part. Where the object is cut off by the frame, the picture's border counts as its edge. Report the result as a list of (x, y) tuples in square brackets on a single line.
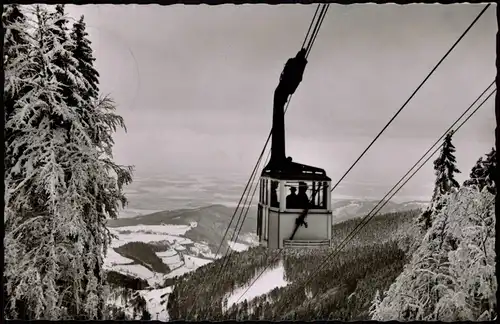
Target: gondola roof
[(295, 171)]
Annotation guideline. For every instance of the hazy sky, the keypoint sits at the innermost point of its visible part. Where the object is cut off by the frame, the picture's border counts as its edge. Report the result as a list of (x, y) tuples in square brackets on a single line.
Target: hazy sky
[(195, 85)]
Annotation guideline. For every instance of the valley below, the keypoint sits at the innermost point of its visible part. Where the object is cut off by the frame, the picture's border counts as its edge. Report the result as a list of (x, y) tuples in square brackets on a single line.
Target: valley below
[(151, 252)]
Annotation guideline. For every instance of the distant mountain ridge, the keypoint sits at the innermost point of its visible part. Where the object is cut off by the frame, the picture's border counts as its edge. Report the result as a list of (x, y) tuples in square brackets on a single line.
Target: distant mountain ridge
[(344, 209), (212, 220)]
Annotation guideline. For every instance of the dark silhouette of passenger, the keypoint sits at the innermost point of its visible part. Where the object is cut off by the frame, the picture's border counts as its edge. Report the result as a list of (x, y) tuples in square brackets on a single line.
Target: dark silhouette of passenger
[(291, 199), (274, 194), (302, 198)]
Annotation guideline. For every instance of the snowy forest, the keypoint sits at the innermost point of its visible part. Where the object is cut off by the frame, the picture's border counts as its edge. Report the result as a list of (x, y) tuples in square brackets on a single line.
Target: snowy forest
[(435, 264), (62, 185)]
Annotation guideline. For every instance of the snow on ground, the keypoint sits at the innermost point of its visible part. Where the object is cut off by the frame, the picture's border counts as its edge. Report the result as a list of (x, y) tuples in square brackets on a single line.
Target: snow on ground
[(269, 280), (113, 258), (155, 229), (154, 300), (131, 213), (150, 233), (203, 249), (250, 238), (167, 254), (171, 258), (180, 247), (238, 247), (142, 237), (140, 271), (347, 209), (193, 263)]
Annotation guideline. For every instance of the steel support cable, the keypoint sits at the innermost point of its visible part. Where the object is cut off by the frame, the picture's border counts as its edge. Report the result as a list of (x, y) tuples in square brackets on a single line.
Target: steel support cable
[(237, 232), (412, 95), (239, 223), (254, 170), (221, 268), (377, 209), (239, 203), (320, 21), (310, 26), (433, 145), (341, 245), (316, 28)]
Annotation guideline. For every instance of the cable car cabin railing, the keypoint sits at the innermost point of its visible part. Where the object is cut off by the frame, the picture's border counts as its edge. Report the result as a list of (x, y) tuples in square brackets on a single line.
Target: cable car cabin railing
[(306, 243)]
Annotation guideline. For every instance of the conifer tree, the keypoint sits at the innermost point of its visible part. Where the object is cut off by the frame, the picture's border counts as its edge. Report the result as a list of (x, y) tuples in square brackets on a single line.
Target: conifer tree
[(71, 81), (491, 171), (476, 175), (15, 35), (82, 52), (60, 188), (445, 170), (483, 173), (451, 276), (16, 48)]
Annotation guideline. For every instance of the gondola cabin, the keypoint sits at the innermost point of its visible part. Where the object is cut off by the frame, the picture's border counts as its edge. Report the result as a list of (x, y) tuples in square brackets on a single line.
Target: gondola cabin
[(281, 207), (294, 204)]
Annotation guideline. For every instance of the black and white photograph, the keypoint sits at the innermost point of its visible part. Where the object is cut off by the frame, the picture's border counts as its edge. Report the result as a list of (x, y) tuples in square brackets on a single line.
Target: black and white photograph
[(243, 162)]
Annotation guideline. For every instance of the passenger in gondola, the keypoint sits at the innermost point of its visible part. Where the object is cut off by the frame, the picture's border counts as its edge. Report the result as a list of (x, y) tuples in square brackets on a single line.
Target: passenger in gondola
[(274, 195), (302, 198), (291, 199)]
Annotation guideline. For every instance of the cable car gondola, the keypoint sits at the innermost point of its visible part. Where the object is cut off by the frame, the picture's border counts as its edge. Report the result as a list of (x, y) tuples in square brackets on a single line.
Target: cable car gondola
[(286, 219)]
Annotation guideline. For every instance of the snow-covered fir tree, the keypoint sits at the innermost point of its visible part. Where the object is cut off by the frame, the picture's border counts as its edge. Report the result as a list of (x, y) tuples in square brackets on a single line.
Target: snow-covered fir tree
[(445, 169), (82, 52), (60, 187), (451, 276), (476, 175), (16, 48), (16, 35), (71, 81), (491, 173), (483, 173)]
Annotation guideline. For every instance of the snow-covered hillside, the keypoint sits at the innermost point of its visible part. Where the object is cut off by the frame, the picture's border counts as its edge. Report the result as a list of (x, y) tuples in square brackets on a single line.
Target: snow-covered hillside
[(270, 279), (179, 253)]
